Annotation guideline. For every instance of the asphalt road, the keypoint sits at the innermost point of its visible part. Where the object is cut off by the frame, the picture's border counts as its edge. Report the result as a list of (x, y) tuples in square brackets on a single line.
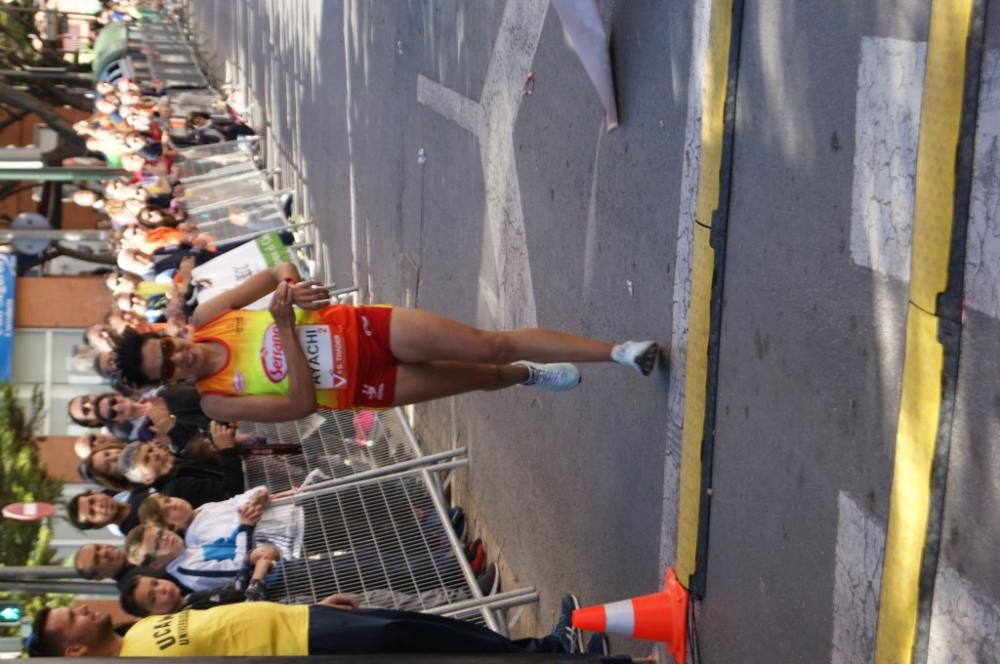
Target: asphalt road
[(538, 216)]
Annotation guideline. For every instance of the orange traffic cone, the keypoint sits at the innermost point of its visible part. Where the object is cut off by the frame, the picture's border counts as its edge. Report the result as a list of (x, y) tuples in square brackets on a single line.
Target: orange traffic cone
[(661, 616)]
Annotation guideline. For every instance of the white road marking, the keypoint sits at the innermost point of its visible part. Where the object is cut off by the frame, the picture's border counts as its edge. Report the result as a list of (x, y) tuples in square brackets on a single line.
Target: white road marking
[(492, 121), (464, 112), (886, 129), (351, 37), (982, 267), (965, 624), (887, 124), (857, 583)]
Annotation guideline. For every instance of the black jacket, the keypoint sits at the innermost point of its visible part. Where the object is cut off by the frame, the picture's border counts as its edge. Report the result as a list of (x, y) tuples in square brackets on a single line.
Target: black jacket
[(207, 599), (184, 403), (200, 482), (135, 498)]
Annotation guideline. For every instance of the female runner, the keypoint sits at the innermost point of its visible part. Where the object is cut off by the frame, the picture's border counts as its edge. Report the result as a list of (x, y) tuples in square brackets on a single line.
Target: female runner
[(285, 362)]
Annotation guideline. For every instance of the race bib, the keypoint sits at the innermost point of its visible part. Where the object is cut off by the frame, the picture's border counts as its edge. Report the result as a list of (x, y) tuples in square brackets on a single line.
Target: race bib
[(324, 353)]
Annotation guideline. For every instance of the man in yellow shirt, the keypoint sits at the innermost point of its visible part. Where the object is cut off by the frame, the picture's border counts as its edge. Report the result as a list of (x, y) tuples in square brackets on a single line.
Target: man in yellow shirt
[(335, 626)]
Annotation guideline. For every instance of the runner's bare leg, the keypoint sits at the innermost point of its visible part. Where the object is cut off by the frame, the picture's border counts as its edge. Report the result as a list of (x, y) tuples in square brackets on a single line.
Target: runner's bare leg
[(418, 336)]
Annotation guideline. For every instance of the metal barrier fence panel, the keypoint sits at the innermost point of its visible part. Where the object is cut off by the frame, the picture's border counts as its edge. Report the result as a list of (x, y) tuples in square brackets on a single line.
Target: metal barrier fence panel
[(238, 149), (240, 220), (222, 173), (183, 102), (178, 67), (206, 192), (338, 442), (383, 540), (374, 520), (204, 168)]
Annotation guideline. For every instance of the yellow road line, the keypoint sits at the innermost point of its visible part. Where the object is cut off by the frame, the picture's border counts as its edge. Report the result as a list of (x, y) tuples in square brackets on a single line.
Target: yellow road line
[(702, 268), (928, 385)]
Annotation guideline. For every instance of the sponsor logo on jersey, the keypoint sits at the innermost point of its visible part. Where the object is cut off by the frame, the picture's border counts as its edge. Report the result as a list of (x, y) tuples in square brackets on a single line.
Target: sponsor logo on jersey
[(272, 356)]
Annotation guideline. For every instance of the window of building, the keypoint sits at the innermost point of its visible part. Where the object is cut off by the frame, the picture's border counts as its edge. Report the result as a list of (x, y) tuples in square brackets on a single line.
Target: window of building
[(54, 359)]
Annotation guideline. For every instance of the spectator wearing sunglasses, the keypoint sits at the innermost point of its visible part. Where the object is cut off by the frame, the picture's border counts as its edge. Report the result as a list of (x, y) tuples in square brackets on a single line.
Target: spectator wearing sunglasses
[(166, 417), (83, 411), (144, 595), (113, 408)]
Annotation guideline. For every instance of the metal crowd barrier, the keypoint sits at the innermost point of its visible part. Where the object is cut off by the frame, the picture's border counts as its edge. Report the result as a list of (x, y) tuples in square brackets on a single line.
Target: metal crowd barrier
[(240, 220), (169, 57), (185, 101), (199, 160), (226, 194), (374, 518)]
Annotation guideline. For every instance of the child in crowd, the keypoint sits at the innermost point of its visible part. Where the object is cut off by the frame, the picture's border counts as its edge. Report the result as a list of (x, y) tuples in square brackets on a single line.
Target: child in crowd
[(210, 554)]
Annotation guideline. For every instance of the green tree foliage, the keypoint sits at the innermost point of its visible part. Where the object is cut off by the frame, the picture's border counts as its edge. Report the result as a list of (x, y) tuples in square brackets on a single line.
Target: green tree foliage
[(23, 478)]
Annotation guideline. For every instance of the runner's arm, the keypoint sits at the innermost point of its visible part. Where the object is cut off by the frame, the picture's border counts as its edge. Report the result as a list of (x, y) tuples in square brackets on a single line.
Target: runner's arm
[(248, 292)]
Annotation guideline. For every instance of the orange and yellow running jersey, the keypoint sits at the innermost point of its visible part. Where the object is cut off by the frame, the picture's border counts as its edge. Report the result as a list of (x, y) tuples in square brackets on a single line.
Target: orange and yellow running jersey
[(256, 363)]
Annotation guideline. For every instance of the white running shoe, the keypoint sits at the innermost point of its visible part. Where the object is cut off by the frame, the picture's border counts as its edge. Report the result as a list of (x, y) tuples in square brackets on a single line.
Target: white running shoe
[(640, 355), (556, 376)]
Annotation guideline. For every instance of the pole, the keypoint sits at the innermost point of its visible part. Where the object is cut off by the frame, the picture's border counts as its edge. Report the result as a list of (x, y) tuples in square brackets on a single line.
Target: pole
[(61, 174), (78, 587), (60, 75), (53, 234), (8, 573)]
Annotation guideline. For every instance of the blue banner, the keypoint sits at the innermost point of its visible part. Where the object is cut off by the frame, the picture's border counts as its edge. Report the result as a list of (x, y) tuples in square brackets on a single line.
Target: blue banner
[(8, 273)]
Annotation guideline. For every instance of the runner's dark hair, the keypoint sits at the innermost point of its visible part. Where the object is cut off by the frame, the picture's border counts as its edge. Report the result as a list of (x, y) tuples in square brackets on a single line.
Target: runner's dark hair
[(128, 356)]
